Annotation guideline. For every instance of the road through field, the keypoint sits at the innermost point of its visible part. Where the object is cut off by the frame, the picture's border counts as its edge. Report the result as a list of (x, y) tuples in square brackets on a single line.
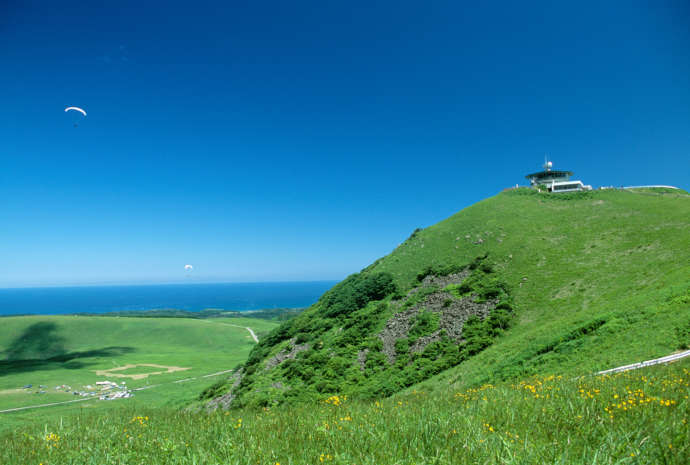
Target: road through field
[(251, 332), (256, 339)]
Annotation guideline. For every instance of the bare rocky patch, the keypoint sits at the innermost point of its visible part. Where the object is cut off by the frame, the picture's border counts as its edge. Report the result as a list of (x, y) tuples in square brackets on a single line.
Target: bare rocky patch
[(288, 353), (453, 313), (362, 358), (226, 399)]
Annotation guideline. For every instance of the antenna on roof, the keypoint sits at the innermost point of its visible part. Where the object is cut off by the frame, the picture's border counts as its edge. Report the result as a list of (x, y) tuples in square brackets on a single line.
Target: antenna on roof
[(547, 163)]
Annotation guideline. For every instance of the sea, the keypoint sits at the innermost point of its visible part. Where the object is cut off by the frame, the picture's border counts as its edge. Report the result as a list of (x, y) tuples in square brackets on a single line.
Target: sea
[(190, 297)]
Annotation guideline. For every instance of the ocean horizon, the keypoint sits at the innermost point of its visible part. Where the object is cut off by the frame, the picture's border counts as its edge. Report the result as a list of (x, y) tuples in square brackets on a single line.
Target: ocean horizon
[(190, 297)]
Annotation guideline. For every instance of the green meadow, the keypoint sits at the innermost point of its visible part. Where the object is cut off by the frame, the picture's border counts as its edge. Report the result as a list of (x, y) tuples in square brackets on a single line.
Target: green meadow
[(53, 351), (636, 417)]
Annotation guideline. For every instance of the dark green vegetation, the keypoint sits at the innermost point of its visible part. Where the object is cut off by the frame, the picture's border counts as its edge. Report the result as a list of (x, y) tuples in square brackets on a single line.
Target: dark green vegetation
[(533, 283), (632, 418), (364, 338)]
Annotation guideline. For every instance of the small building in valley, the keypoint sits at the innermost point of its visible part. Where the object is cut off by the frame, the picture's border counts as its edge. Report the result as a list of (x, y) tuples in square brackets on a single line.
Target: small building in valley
[(556, 180)]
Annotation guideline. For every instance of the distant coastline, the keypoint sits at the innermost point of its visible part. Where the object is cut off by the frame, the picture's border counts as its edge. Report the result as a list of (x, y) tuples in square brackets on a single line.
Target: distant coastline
[(166, 298), (276, 314)]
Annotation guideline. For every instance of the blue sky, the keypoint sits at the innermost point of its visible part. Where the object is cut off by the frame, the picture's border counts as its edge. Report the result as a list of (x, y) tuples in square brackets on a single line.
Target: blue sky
[(267, 141)]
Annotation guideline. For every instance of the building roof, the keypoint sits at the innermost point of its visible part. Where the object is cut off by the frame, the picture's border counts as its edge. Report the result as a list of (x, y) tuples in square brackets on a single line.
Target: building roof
[(549, 174)]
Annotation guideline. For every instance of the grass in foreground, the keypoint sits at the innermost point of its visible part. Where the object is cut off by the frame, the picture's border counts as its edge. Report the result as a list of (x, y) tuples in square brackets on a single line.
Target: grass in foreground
[(635, 417)]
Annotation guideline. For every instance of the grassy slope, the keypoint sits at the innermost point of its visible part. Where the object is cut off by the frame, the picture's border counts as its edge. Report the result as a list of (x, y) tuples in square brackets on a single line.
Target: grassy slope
[(599, 279), (80, 345), (630, 418), (638, 266), (614, 256)]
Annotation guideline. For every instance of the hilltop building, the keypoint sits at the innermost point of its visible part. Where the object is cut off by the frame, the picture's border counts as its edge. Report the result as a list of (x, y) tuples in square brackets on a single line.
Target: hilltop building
[(555, 180)]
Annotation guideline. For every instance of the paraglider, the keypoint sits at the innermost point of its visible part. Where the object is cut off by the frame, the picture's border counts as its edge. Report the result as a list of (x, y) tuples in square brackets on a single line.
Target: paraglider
[(188, 267), (80, 110), (77, 109)]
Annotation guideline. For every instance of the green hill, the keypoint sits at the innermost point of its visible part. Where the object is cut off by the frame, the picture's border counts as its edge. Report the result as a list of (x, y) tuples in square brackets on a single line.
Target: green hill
[(519, 284), (516, 285)]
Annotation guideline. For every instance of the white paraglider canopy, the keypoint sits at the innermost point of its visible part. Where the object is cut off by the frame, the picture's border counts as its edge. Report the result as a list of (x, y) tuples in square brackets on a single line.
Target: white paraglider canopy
[(188, 267), (80, 110)]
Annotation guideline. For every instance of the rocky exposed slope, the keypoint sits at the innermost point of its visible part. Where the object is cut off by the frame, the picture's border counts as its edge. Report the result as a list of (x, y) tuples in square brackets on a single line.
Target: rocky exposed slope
[(353, 343), (452, 314)]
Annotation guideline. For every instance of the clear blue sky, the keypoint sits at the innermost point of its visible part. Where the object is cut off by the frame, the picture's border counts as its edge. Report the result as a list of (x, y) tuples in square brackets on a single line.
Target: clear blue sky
[(302, 140)]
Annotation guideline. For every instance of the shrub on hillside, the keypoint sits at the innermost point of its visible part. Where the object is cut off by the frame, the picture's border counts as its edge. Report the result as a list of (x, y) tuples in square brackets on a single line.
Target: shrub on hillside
[(424, 323), (215, 390), (439, 270), (683, 336), (281, 333), (356, 291), (477, 336)]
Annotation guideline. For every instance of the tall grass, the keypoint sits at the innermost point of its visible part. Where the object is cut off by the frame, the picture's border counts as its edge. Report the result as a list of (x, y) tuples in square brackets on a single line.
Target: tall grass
[(635, 417)]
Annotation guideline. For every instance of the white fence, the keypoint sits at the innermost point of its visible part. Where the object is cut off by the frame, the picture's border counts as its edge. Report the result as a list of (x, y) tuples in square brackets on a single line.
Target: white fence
[(648, 363)]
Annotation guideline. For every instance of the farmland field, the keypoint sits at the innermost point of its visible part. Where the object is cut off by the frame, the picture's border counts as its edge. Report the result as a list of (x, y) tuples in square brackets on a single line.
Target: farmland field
[(175, 358)]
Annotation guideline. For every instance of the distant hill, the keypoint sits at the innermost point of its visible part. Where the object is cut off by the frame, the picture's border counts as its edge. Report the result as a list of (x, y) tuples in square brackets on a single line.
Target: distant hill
[(521, 283), (277, 314)]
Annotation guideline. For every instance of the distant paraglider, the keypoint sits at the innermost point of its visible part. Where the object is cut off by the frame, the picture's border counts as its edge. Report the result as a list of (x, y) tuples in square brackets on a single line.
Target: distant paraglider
[(188, 267), (80, 110), (77, 109)]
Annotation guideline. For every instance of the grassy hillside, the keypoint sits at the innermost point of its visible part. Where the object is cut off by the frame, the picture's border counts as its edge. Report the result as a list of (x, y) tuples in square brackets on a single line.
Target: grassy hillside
[(523, 290), (598, 279), (52, 351), (630, 418), (519, 284)]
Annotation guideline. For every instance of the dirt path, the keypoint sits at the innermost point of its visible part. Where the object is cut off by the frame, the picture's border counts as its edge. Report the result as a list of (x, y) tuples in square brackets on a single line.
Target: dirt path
[(16, 409), (251, 332), (256, 339)]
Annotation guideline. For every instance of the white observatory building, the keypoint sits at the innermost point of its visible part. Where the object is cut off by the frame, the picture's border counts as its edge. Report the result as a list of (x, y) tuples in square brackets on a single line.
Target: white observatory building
[(555, 180)]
